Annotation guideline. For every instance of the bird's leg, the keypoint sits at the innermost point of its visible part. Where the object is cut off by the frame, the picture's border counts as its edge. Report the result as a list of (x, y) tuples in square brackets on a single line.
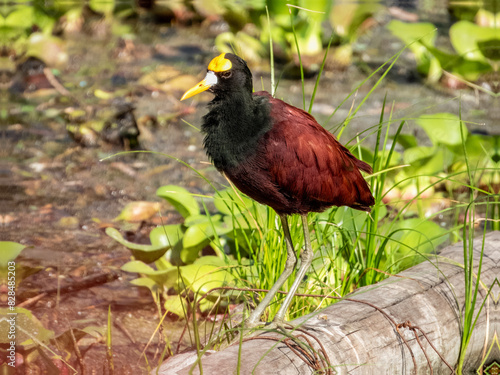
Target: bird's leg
[(291, 262), (306, 258)]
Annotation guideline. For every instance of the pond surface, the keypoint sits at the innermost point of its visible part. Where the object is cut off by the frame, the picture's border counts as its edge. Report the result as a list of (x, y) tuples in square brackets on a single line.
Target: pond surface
[(58, 195)]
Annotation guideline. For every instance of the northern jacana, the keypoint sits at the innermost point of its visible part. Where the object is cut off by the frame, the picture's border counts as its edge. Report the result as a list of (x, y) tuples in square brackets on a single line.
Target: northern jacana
[(278, 155)]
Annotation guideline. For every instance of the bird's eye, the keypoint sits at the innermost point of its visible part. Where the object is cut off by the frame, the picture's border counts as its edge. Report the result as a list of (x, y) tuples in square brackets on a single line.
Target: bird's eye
[(226, 74)]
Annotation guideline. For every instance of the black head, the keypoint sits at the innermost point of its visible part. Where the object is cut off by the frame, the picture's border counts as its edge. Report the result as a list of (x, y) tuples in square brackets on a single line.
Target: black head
[(226, 75)]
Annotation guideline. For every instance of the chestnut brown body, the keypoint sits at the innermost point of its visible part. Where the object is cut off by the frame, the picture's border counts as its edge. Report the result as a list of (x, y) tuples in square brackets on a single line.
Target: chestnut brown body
[(278, 155)]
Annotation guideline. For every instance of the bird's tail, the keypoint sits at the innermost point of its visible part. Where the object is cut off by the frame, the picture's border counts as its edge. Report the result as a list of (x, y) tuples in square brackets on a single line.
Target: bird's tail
[(363, 166)]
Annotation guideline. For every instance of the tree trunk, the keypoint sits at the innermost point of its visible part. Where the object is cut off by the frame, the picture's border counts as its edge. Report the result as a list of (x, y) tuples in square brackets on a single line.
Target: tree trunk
[(406, 324)]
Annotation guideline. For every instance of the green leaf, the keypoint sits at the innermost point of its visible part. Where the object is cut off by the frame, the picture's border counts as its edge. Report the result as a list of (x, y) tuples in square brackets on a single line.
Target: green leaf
[(22, 17), (176, 305), (407, 140), (201, 219), (200, 278), (145, 253), (9, 251), (166, 235), (137, 266), (395, 157), (424, 32), (478, 148), (472, 70), (105, 7), (212, 260), (145, 282), (469, 69), (443, 128), (180, 198), (447, 60), (426, 160), (349, 219), (364, 154), (199, 236), (29, 331), (418, 36), (417, 237), (346, 17), (490, 48), (465, 35), (415, 154), (247, 219), (168, 277)]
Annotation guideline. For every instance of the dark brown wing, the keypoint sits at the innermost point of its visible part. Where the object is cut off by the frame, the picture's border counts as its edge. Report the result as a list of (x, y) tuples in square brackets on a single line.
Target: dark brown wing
[(309, 166)]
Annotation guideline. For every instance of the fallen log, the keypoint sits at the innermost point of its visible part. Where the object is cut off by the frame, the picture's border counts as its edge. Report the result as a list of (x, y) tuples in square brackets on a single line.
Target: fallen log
[(407, 324)]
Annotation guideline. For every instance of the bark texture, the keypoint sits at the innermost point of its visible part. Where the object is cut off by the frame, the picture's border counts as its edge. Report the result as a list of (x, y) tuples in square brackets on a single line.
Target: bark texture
[(380, 329)]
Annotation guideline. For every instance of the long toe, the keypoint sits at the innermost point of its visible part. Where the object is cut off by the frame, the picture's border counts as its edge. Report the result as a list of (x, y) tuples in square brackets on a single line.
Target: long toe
[(248, 324)]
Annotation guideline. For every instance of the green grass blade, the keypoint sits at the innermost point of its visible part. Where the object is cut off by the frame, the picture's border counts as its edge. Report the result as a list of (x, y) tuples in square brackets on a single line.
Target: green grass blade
[(300, 60), (316, 85)]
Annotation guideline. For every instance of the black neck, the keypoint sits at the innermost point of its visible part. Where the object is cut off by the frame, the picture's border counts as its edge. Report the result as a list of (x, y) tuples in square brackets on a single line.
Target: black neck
[(233, 127)]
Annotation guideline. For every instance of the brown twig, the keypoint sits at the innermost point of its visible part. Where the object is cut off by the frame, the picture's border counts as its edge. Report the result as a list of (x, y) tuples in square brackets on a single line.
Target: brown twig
[(118, 323), (85, 283), (54, 82), (31, 301), (77, 351)]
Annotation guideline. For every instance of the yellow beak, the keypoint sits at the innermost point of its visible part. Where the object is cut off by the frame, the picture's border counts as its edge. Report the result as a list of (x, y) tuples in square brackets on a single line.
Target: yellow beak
[(209, 81)]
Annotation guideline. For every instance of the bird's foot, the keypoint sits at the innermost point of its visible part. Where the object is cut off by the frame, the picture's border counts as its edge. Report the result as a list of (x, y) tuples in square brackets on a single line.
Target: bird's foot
[(281, 326), (287, 328), (249, 327), (276, 324), (252, 325)]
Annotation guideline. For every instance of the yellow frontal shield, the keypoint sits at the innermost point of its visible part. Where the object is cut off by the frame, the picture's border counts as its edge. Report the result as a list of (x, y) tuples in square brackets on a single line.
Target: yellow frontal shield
[(218, 64)]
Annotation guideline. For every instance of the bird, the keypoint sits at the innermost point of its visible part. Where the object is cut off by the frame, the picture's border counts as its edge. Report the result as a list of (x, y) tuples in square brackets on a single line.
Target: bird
[(280, 156)]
